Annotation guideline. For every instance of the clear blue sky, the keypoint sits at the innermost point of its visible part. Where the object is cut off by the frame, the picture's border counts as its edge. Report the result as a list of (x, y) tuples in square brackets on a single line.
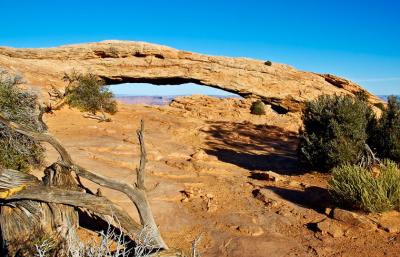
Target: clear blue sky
[(359, 40)]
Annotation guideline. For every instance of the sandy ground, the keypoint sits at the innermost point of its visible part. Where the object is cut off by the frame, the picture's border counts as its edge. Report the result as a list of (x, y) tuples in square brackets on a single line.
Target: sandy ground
[(202, 152)]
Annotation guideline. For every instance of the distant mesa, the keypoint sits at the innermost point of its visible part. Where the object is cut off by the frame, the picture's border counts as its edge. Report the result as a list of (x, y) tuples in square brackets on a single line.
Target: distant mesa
[(158, 100), (282, 86), (148, 100)]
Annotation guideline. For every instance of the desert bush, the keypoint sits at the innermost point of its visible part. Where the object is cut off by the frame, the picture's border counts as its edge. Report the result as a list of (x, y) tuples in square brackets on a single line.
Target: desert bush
[(257, 108), (89, 94), (354, 186), (385, 138), (362, 95), (18, 151), (111, 243), (335, 131)]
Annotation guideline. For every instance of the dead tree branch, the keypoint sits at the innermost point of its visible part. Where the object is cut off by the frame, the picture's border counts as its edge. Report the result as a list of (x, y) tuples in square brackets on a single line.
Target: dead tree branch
[(92, 203), (143, 158), (97, 117), (195, 244), (136, 193), (368, 158), (57, 100)]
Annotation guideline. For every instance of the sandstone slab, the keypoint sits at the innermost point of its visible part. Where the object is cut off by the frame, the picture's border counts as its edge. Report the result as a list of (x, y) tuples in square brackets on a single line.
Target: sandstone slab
[(353, 219)]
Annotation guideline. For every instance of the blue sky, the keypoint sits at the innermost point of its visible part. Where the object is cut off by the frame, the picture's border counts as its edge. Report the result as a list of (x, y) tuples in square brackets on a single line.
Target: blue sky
[(356, 39)]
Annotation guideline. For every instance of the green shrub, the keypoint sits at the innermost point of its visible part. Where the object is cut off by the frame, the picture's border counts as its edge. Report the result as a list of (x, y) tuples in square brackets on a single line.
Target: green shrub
[(385, 139), (335, 131), (17, 151), (268, 63), (360, 188), (362, 95), (257, 108), (89, 94)]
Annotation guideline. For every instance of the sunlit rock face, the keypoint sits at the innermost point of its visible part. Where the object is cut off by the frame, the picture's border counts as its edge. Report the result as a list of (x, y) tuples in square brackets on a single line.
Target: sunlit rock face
[(280, 85)]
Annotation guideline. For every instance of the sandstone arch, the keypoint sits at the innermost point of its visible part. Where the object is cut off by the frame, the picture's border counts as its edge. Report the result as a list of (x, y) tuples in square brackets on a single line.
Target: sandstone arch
[(280, 85)]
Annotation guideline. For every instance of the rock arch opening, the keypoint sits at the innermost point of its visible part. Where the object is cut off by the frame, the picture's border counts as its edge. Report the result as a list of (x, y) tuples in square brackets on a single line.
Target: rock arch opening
[(163, 93)]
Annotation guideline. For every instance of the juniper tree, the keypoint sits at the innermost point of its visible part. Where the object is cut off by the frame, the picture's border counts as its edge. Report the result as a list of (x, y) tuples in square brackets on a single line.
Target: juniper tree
[(89, 94), (335, 131), (18, 151)]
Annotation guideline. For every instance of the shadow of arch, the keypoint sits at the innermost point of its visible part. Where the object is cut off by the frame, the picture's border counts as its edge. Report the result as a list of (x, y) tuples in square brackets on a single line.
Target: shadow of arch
[(254, 147)]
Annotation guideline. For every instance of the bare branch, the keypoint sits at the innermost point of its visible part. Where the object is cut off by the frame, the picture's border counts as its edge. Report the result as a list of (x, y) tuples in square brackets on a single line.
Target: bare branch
[(93, 203), (42, 111), (136, 194), (195, 244), (368, 158), (97, 117), (143, 157), (55, 93)]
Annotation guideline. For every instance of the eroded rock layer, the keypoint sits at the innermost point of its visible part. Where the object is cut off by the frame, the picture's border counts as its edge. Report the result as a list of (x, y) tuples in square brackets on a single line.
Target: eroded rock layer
[(280, 85)]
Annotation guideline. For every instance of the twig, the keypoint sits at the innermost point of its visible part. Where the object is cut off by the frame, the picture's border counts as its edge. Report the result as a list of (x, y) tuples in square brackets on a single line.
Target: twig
[(97, 117), (195, 244)]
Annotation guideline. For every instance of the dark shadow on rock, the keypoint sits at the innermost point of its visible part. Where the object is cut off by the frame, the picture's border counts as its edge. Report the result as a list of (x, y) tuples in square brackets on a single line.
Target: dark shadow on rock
[(97, 224), (316, 198), (91, 221), (254, 147)]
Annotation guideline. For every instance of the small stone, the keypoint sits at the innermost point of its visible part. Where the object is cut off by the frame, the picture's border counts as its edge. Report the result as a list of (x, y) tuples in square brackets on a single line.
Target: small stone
[(271, 203), (330, 227), (268, 175), (200, 155), (252, 230), (267, 197), (294, 184), (304, 185), (210, 196), (284, 212), (274, 176), (328, 211), (99, 192), (353, 219)]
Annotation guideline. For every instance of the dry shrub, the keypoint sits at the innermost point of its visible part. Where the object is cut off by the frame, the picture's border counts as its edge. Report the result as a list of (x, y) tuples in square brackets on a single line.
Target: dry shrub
[(111, 243)]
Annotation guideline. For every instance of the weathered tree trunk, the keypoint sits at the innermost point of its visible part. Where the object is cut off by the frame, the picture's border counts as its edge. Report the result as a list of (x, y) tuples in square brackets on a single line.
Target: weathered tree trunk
[(24, 222), (68, 195)]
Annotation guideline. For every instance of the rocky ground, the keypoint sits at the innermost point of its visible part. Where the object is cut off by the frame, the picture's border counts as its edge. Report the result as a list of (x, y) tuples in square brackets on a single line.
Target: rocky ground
[(232, 177)]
